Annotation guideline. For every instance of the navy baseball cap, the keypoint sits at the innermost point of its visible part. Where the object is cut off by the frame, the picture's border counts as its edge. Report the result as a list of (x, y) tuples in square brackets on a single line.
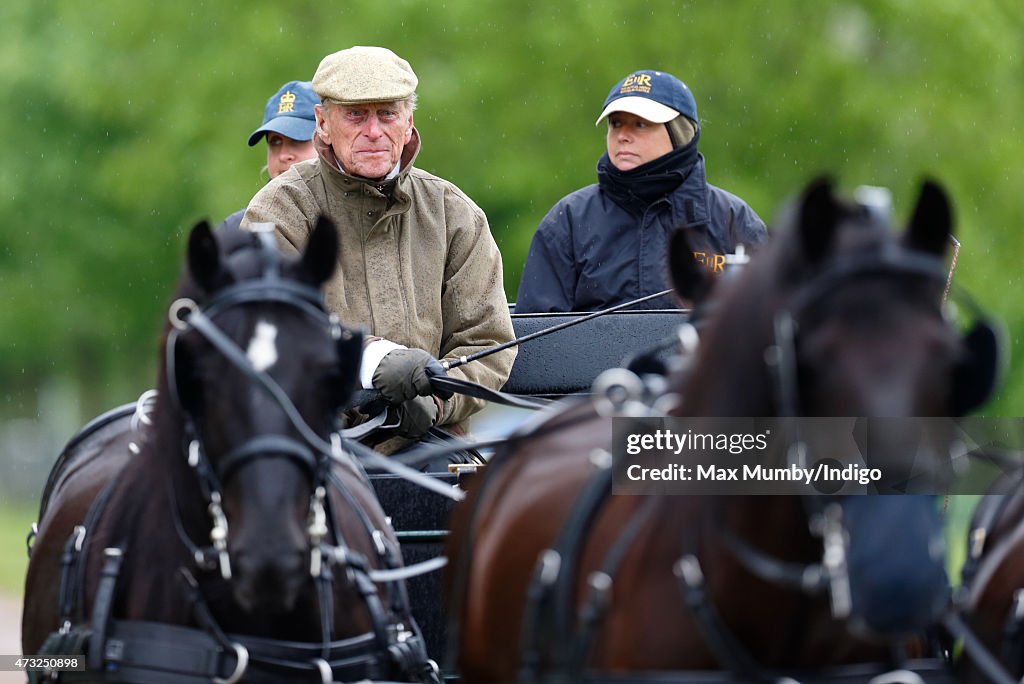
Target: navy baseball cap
[(656, 96), (289, 112)]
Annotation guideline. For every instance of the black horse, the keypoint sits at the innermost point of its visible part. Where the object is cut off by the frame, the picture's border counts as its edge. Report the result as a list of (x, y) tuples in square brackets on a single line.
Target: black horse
[(553, 579), (229, 536)]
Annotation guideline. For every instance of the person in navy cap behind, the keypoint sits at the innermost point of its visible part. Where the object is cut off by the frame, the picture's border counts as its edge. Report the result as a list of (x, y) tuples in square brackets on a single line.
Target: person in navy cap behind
[(288, 125), (606, 244)]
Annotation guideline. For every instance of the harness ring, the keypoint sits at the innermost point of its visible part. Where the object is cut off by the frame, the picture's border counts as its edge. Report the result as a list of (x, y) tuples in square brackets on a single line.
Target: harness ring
[(241, 663), (178, 306)]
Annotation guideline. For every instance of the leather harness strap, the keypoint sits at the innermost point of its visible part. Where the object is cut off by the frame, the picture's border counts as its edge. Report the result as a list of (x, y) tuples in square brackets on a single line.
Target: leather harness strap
[(158, 653), (595, 604), (103, 606), (546, 619), (72, 574)]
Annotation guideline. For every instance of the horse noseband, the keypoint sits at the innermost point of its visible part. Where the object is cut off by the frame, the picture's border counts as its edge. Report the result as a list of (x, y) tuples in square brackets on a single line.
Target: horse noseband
[(267, 446), (185, 315)]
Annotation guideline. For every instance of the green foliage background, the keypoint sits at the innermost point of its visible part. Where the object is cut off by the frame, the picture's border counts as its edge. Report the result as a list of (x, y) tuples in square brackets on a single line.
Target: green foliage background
[(126, 122)]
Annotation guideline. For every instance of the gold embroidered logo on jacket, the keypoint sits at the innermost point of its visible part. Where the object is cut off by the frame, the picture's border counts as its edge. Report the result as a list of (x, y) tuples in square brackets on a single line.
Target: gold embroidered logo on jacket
[(714, 262)]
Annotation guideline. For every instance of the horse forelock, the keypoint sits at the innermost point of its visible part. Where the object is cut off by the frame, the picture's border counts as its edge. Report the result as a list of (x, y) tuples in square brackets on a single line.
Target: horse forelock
[(873, 340), (241, 259), (851, 229)]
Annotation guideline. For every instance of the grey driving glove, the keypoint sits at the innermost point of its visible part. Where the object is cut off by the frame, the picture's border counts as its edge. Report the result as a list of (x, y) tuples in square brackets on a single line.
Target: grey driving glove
[(416, 416), (405, 373)]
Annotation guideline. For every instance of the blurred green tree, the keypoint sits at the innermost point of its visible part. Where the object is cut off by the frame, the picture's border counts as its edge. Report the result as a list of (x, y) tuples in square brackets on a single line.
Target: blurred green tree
[(127, 122)]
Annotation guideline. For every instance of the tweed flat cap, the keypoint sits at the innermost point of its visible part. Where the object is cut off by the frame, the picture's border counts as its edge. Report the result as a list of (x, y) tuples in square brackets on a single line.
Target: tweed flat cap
[(364, 74)]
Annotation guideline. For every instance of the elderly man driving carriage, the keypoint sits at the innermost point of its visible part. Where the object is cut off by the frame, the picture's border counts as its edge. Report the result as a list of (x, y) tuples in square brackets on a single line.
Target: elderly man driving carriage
[(419, 268)]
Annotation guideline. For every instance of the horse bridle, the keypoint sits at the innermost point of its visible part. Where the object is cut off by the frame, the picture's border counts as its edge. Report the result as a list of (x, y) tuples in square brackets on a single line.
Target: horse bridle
[(312, 454), (825, 517), (394, 642), (781, 355)]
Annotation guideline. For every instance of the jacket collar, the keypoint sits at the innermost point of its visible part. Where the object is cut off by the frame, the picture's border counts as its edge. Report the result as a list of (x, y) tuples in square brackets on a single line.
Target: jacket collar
[(690, 200), (676, 178), (688, 203)]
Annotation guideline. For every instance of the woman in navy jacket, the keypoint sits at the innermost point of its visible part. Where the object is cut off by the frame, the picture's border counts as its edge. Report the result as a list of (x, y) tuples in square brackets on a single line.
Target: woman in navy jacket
[(606, 244)]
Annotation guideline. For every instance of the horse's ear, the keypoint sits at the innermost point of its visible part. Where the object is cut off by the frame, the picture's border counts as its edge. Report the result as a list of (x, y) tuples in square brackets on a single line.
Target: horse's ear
[(321, 255), (817, 218), (204, 257), (690, 278), (931, 225)]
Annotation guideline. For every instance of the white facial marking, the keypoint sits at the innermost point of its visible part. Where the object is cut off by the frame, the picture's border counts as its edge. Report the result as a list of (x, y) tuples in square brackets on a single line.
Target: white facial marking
[(262, 351)]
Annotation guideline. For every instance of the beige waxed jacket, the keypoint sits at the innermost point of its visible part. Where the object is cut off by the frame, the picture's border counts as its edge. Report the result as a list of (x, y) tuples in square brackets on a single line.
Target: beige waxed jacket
[(420, 269)]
